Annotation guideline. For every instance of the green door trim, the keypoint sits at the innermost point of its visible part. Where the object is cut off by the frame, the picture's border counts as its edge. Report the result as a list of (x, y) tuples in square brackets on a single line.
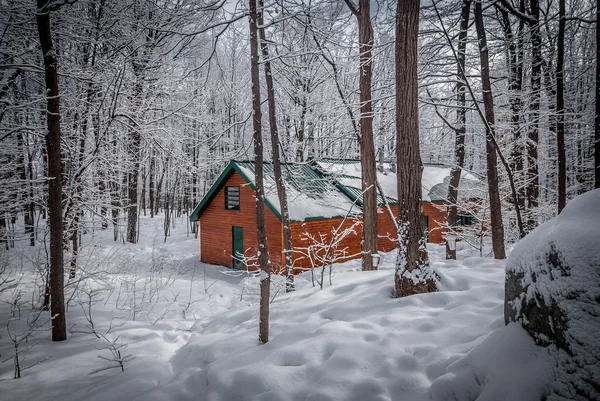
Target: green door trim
[(237, 243)]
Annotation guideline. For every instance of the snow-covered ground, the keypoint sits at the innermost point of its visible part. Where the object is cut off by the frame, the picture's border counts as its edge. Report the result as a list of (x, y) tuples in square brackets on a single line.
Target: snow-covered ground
[(189, 331)]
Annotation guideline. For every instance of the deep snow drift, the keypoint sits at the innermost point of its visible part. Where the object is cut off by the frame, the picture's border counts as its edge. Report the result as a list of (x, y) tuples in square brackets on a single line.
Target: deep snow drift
[(352, 341), (195, 333)]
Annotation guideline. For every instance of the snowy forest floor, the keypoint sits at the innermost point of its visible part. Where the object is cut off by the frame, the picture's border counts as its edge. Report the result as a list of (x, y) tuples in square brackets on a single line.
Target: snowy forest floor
[(189, 331)]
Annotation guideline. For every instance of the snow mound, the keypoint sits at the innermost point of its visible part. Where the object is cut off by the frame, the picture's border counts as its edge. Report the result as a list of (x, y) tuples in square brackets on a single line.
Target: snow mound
[(553, 290), (506, 366), (350, 341)]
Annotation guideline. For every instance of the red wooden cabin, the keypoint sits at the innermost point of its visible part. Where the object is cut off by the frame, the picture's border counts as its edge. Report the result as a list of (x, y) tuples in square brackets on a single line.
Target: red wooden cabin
[(322, 196)]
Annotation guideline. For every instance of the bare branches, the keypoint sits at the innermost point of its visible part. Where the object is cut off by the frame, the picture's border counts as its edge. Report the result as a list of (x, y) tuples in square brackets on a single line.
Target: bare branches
[(353, 7)]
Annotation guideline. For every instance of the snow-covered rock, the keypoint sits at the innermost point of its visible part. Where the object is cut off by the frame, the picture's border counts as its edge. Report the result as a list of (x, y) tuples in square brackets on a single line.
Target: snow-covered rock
[(506, 366), (553, 291)]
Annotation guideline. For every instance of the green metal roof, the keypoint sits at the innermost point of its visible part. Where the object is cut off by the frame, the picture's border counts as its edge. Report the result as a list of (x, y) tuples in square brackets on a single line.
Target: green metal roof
[(314, 192), (301, 177)]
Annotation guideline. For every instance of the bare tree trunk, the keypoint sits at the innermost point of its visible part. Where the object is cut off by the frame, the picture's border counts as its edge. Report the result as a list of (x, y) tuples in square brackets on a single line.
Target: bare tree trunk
[(412, 255), (281, 191), (132, 189), (57, 296), (492, 162), (151, 182), (263, 250), (515, 86), (367, 146), (158, 194), (461, 115), (597, 119), (560, 109), (3, 230), (143, 194), (533, 180), (75, 249)]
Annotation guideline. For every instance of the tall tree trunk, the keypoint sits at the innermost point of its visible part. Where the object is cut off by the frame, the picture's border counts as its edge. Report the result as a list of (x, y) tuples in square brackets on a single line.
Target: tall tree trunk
[(597, 119), (134, 153), (367, 146), (31, 204), (410, 277), (75, 249), (57, 296), (461, 116), (23, 168), (560, 109), (366, 143), (3, 230), (281, 191), (263, 250), (492, 162), (515, 87), (143, 195), (533, 180), (151, 174), (158, 195)]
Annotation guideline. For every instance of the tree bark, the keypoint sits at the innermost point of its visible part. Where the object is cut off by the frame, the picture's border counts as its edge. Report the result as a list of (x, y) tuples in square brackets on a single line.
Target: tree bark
[(151, 174), (281, 190), (515, 86), (57, 300), (134, 153), (560, 109), (461, 116), (492, 162), (412, 254), (263, 250), (367, 146), (366, 143), (533, 181), (597, 119)]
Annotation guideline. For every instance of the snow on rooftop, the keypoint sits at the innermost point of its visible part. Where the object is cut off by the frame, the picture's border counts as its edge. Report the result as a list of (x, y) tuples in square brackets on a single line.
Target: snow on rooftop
[(435, 179), (312, 192), (309, 195)]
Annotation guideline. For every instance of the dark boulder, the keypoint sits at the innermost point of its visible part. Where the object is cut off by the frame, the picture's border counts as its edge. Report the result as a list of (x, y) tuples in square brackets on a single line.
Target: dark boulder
[(553, 290)]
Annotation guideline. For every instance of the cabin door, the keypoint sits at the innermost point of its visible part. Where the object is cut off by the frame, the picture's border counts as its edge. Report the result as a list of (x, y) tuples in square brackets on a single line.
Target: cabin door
[(237, 239)]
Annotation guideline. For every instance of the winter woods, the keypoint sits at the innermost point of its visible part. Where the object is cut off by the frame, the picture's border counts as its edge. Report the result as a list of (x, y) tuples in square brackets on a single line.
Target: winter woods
[(112, 110)]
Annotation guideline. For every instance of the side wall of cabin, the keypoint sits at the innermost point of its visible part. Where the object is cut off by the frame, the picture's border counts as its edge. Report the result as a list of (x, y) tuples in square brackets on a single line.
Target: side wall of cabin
[(216, 227), (348, 248), (436, 218), (320, 232)]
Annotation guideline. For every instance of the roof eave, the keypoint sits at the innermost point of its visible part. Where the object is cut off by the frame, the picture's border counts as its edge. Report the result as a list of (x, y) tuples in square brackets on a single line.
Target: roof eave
[(231, 168)]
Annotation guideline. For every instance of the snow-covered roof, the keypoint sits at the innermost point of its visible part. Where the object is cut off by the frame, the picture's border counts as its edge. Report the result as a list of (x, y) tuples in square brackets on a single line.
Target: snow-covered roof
[(332, 188), (310, 194), (436, 178)]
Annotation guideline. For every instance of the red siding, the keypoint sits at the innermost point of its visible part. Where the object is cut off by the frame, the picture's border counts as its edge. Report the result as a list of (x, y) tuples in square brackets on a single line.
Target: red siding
[(216, 226), (350, 245), (437, 218)]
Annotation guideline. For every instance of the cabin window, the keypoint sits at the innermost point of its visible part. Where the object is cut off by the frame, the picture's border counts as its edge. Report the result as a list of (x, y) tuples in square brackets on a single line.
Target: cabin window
[(232, 198), (465, 220)]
